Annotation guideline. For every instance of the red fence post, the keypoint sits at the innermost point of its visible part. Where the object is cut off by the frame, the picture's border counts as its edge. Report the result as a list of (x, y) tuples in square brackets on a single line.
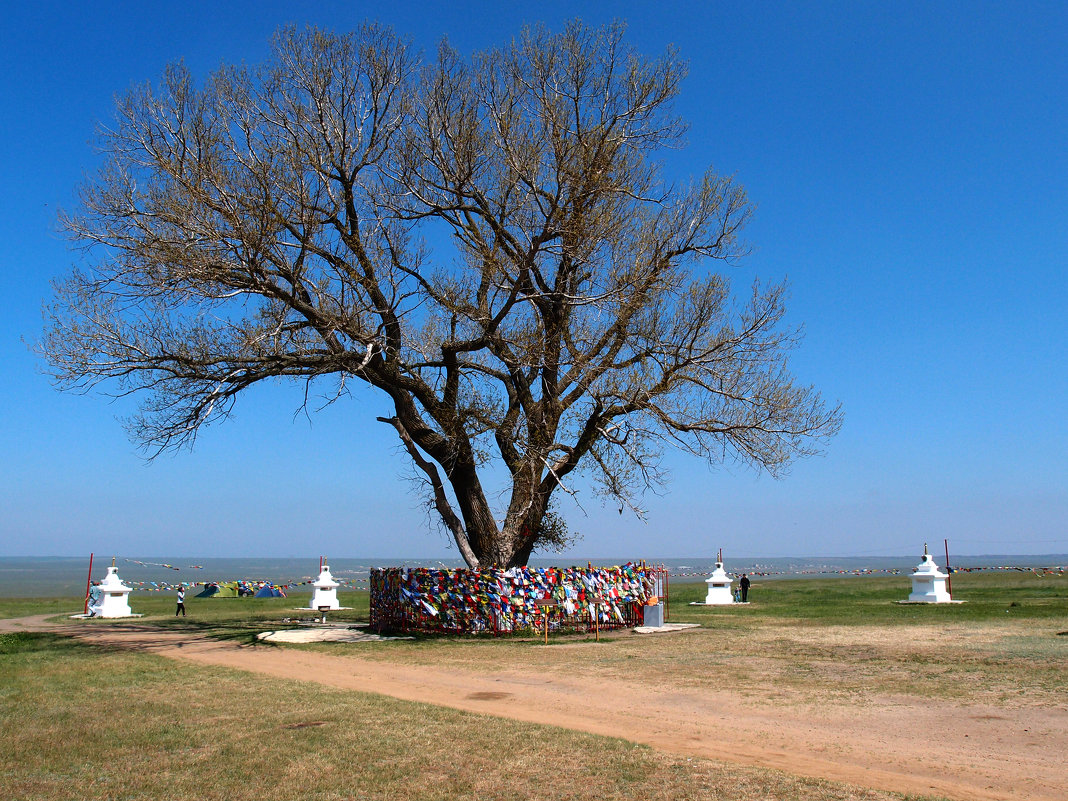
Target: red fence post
[(88, 583)]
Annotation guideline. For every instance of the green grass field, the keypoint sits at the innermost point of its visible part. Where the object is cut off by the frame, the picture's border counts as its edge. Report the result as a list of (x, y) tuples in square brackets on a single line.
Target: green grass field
[(82, 721), (873, 600)]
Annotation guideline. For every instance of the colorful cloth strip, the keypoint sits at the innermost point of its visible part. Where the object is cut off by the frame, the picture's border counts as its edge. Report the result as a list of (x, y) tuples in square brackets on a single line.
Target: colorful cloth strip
[(497, 600)]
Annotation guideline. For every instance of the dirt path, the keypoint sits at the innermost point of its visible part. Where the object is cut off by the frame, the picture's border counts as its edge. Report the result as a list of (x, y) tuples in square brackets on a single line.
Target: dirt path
[(906, 745)]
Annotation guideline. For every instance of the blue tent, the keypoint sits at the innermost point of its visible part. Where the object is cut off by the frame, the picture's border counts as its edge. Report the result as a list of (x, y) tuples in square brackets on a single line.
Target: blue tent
[(269, 591)]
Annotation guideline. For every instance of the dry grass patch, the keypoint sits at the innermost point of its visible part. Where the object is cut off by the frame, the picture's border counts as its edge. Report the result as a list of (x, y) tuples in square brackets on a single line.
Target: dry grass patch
[(1017, 664), (809, 641), (122, 725)]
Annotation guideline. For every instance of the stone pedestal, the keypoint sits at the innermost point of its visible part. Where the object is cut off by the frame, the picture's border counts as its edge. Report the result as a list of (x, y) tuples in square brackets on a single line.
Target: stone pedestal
[(653, 615), (719, 587), (325, 594), (114, 597), (929, 583)]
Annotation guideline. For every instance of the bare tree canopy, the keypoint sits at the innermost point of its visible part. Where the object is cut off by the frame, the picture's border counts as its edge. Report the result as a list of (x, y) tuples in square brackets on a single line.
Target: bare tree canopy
[(274, 222)]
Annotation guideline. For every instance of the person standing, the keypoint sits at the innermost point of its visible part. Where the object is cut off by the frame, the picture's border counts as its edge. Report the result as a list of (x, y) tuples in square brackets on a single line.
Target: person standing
[(181, 601), (94, 598), (744, 585)]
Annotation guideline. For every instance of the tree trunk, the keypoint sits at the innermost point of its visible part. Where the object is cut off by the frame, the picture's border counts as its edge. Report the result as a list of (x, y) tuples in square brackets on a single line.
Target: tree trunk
[(509, 545)]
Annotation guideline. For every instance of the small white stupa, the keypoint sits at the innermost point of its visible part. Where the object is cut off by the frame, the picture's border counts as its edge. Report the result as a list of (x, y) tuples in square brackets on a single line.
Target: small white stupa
[(325, 594), (719, 587), (928, 582), (113, 600)]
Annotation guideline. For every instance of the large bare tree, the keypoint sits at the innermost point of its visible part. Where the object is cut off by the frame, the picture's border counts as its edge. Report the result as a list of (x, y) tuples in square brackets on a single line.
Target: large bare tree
[(488, 241)]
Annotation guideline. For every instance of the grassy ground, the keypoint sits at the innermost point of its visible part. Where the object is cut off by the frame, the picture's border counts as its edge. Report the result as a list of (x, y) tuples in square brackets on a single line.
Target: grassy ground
[(873, 600), (81, 721), (238, 618), (803, 641), (86, 722)]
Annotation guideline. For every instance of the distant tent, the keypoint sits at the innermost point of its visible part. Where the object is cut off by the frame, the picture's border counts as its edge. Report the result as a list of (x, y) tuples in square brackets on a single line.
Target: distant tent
[(269, 591), (227, 589)]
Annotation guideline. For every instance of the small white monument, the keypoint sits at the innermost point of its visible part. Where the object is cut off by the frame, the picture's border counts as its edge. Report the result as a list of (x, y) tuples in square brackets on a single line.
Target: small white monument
[(719, 587), (325, 594), (113, 600), (928, 582)]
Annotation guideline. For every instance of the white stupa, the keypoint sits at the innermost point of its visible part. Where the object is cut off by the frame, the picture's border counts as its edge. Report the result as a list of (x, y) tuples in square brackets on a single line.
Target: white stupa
[(113, 600), (719, 588), (928, 582), (325, 594)]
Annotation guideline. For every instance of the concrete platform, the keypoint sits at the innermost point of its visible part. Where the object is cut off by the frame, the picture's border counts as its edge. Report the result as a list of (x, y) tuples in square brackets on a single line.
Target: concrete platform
[(324, 634), (316, 609), (667, 628)]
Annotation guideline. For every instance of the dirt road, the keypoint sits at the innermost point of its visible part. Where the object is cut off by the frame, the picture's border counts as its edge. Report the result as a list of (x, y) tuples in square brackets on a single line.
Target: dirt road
[(965, 752)]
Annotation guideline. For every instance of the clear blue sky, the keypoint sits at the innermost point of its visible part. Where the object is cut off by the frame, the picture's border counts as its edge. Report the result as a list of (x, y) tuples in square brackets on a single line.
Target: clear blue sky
[(910, 166)]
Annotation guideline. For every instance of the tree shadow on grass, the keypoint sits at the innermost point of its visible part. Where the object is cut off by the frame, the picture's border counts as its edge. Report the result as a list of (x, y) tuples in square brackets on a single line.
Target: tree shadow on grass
[(27, 642), (241, 632)]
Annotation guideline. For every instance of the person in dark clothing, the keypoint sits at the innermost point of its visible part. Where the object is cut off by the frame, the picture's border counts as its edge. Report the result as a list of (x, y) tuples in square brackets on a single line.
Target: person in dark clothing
[(744, 585), (181, 601)]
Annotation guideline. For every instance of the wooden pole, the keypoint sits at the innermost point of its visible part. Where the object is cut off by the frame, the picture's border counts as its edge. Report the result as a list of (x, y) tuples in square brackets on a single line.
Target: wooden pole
[(949, 573), (545, 605), (88, 583)]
